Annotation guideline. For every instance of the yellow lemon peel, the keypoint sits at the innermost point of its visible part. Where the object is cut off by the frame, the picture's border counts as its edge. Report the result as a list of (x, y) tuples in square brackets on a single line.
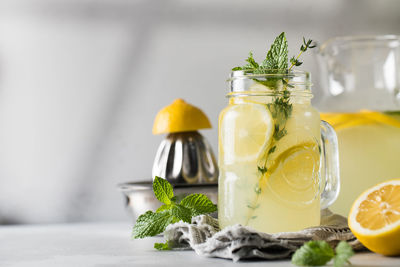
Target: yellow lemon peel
[(180, 117)]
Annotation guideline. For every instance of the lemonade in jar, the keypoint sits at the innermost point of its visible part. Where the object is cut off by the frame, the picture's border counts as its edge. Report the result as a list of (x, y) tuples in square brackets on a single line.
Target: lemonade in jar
[(276, 169)]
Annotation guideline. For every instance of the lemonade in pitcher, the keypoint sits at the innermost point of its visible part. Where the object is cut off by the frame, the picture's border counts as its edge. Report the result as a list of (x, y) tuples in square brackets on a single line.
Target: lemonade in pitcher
[(360, 78), (369, 144), (272, 155)]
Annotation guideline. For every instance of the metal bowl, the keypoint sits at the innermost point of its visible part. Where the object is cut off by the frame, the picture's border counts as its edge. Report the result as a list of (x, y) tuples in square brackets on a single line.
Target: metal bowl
[(140, 197)]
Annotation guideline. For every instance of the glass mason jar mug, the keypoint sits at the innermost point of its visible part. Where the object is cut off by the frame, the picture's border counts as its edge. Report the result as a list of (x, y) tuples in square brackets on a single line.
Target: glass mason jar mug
[(278, 162)]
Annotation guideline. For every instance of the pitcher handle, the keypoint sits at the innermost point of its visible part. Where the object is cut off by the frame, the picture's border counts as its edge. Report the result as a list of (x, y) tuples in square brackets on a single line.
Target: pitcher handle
[(330, 175)]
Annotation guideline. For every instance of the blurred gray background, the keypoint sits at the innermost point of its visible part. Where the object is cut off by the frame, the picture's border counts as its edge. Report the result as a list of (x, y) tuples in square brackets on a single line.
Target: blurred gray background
[(81, 82)]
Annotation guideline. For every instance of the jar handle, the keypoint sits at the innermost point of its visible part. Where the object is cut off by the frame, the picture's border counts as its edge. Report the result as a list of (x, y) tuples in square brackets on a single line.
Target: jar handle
[(329, 165)]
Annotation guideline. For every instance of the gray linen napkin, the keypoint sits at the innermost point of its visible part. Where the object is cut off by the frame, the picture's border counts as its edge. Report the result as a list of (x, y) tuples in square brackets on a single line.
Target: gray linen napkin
[(241, 242)]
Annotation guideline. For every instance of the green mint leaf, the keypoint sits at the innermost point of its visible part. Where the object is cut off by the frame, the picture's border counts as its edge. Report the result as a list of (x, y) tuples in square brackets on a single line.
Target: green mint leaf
[(164, 207), (182, 213), (343, 254), (163, 190), (162, 246), (313, 253), (175, 219), (252, 64), (151, 224), (277, 56), (237, 68), (199, 204)]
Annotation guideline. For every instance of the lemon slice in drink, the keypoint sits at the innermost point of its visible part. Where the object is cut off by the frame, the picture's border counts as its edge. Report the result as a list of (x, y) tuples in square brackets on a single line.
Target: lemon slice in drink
[(294, 175), (375, 218), (341, 121), (246, 131)]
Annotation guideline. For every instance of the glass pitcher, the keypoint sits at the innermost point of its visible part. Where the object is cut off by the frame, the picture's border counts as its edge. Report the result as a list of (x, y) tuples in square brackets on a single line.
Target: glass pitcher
[(278, 163), (360, 77)]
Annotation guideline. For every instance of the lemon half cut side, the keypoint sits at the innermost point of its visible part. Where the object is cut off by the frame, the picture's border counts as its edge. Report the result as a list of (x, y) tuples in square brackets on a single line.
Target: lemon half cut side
[(375, 218)]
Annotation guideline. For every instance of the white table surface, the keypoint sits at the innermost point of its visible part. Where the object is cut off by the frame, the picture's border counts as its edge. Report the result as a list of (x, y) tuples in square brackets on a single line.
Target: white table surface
[(109, 244)]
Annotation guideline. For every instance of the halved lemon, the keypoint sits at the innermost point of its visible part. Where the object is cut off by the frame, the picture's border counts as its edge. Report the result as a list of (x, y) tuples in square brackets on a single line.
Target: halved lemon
[(246, 131), (375, 218), (180, 116)]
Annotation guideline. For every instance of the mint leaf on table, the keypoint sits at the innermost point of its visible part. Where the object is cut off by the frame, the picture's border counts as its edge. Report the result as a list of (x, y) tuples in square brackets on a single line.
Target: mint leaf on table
[(317, 253), (182, 213), (199, 204), (151, 224), (163, 190), (343, 254), (277, 56), (164, 207), (162, 246), (313, 253)]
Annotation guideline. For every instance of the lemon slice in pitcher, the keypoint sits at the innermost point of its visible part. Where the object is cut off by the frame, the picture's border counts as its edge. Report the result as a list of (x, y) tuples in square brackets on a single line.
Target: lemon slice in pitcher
[(341, 121), (248, 130)]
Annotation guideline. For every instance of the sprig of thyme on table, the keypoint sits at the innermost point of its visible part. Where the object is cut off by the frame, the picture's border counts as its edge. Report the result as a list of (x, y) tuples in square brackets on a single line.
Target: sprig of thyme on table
[(276, 61)]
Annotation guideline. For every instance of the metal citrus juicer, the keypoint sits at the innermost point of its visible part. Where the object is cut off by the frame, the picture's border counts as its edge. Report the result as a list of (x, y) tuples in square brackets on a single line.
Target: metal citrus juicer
[(184, 157)]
